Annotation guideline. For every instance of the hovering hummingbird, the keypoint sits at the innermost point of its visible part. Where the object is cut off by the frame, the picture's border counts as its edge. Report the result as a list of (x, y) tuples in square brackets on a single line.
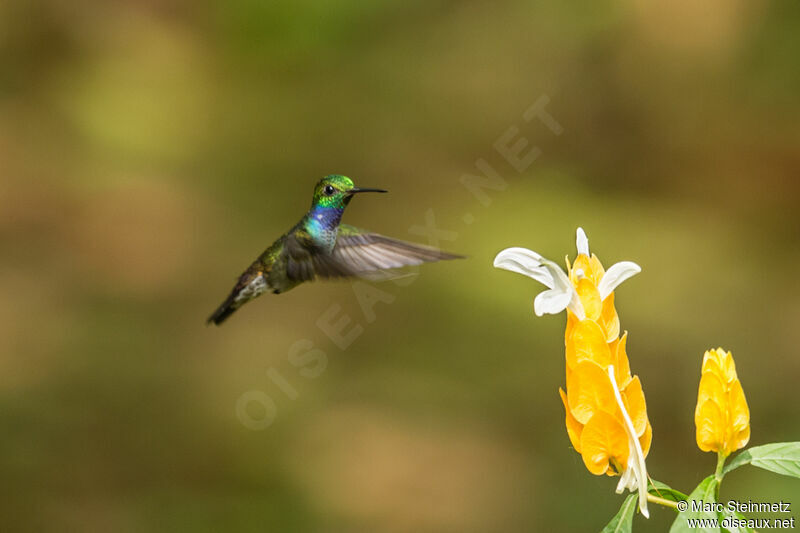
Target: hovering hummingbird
[(319, 246)]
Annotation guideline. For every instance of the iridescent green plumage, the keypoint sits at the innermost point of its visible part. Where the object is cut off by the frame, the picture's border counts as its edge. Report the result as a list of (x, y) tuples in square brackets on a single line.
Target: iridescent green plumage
[(319, 246)]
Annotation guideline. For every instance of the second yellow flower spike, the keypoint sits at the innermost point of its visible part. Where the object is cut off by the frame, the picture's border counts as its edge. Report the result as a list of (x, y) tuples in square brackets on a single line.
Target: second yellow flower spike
[(722, 417)]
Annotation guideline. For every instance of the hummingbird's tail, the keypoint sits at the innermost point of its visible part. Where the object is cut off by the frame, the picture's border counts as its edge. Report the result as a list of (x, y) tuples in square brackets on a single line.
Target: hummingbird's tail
[(225, 310), (251, 284)]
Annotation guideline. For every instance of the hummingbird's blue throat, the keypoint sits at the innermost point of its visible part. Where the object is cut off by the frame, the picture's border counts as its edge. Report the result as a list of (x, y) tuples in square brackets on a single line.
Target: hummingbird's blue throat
[(322, 224)]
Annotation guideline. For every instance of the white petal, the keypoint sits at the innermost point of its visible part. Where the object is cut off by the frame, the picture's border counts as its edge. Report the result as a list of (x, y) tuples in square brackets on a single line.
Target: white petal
[(560, 279), (582, 242), (615, 275), (563, 284), (525, 262), (636, 459), (551, 302)]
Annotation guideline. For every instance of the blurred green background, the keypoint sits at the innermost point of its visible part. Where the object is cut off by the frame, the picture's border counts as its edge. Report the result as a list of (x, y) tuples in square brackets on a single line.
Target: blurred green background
[(149, 150)]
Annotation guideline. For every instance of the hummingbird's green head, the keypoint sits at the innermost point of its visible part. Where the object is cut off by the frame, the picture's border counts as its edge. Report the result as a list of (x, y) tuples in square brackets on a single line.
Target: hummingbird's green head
[(336, 191)]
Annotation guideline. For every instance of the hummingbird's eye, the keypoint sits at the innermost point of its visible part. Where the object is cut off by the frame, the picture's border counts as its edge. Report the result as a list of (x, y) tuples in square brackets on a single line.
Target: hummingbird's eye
[(329, 190)]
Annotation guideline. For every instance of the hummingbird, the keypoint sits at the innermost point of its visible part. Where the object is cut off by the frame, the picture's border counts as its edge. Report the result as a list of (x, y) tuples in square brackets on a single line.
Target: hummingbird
[(320, 246)]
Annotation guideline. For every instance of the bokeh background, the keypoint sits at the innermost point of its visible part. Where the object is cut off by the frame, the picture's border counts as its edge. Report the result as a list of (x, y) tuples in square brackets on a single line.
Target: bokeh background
[(149, 150)]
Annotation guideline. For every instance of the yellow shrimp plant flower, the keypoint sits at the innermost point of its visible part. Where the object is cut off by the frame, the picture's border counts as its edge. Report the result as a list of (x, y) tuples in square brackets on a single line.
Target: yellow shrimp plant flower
[(606, 413), (722, 417)]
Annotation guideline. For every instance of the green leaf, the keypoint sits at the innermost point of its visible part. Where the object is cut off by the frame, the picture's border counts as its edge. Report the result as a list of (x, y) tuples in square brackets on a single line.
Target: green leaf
[(779, 457), (703, 494), (623, 520), (662, 490), (726, 513)]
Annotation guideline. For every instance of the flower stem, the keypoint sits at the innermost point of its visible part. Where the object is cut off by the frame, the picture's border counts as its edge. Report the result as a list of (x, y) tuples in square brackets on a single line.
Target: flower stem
[(661, 501), (720, 464)]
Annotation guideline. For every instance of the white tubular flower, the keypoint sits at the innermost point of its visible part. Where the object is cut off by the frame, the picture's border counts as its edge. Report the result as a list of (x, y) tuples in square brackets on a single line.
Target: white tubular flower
[(561, 294)]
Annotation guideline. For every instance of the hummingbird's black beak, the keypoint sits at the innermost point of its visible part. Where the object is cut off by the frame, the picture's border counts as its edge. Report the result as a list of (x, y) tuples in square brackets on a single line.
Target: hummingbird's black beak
[(354, 190)]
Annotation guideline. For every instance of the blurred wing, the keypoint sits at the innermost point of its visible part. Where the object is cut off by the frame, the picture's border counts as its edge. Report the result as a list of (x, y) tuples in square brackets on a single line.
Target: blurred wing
[(357, 253), (299, 256)]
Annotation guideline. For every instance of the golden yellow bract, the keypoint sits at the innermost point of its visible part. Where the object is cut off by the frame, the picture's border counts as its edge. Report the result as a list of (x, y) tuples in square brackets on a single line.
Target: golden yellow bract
[(589, 391), (621, 363), (604, 443), (721, 417), (588, 342)]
